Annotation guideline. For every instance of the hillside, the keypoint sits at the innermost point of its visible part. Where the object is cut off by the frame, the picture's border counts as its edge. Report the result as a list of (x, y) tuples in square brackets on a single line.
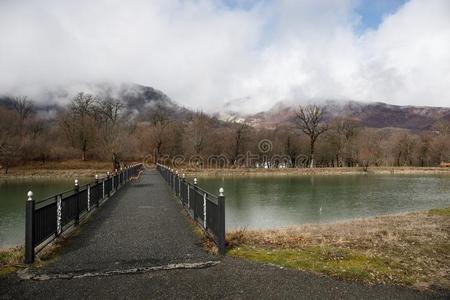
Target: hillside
[(138, 100), (376, 115)]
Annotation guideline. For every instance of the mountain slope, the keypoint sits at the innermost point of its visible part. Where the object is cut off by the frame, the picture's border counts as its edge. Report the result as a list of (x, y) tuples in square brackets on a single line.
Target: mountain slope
[(376, 115), (138, 100)]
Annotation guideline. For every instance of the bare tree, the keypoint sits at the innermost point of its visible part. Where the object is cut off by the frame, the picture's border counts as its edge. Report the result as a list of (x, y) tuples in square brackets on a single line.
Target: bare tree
[(23, 106), (79, 123), (198, 132), (160, 121), (239, 135), (11, 139), (310, 122), (108, 115)]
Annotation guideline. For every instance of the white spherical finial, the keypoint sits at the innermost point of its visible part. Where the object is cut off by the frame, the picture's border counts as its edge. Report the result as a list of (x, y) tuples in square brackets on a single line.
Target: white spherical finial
[(195, 181), (96, 176), (107, 173), (76, 181), (221, 192), (30, 195), (184, 175)]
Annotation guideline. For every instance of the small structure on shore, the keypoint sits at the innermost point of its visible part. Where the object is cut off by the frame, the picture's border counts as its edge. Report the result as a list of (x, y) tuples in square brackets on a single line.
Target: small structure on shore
[(444, 165)]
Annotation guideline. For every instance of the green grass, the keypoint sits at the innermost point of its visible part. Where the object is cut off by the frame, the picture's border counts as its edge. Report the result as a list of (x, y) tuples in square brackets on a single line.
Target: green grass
[(337, 262), (444, 212)]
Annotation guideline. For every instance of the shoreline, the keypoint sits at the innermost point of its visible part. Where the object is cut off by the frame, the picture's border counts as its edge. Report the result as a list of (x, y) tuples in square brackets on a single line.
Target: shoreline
[(317, 171), (74, 169), (68, 168), (51, 173), (410, 249)]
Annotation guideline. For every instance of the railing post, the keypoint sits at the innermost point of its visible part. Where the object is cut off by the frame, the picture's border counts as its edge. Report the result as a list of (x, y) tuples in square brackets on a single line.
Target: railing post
[(221, 224), (89, 197), (181, 194), (58, 214), (77, 206), (103, 186), (179, 186), (194, 206), (97, 196), (188, 195), (112, 181), (29, 229), (177, 180), (204, 210)]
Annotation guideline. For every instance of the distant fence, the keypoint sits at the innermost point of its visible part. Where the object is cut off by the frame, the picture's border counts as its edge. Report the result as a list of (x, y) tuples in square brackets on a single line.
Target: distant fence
[(207, 209), (48, 218)]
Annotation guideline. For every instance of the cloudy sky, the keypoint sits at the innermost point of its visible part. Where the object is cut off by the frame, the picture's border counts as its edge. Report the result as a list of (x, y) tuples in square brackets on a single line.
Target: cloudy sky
[(252, 53)]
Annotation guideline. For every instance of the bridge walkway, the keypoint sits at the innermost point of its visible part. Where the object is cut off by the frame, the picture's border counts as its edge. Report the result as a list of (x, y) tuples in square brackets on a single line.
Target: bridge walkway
[(141, 225)]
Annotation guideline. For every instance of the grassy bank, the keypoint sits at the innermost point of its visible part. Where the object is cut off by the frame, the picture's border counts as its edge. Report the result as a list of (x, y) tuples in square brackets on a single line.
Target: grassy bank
[(408, 249), (11, 260), (71, 168), (314, 171)]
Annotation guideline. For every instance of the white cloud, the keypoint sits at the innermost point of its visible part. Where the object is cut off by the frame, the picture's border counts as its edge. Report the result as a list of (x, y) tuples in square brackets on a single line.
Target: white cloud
[(203, 53)]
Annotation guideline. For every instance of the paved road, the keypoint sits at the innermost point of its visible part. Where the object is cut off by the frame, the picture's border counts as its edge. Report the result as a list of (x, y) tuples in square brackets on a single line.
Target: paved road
[(142, 226)]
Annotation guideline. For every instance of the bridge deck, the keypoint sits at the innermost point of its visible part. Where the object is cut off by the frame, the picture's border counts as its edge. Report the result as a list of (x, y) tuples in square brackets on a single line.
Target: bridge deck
[(139, 226)]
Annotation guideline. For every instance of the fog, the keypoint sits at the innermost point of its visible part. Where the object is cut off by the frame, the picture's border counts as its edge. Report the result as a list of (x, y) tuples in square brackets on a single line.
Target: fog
[(249, 55)]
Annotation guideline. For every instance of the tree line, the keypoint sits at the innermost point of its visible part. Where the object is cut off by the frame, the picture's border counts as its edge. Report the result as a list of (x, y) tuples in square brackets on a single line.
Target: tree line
[(93, 128)]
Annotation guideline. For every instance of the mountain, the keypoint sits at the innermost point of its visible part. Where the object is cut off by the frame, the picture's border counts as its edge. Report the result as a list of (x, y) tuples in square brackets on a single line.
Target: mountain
[(138, 100), (376, 115)]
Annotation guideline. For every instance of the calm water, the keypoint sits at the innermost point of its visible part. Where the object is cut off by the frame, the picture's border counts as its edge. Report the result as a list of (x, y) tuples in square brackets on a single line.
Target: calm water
[(269, 202), (12, 203)]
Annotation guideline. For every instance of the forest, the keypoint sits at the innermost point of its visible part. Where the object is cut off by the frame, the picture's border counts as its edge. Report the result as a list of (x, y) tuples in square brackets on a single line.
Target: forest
[(94, 128)]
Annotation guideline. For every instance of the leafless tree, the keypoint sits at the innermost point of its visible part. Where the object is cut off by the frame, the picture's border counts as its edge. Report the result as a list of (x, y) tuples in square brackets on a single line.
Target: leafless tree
[(108, 113), (310, 122), (239, 135), (198, 132), (79, 123), (11, 139), (23, 106)]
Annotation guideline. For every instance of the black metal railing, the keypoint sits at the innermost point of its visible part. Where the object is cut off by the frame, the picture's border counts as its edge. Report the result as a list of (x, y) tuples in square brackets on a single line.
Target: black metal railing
[(48, 218), (205, 208)]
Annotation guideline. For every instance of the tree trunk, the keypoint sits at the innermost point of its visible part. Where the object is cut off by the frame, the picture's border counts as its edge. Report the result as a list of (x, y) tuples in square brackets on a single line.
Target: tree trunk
[(311, 156)]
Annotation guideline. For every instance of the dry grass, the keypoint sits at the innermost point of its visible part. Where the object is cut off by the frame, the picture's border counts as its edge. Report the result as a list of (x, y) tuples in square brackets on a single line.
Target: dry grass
[(12, 259), (69, 168), (313, 171), (415, 246)]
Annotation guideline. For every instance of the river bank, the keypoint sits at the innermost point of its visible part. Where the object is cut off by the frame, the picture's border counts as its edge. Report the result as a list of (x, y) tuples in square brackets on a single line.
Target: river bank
[(70, 169), (408, 249), (314, 171)]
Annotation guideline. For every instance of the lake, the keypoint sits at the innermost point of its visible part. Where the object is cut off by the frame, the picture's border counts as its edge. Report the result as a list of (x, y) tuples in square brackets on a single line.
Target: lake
[(267, 202), (273, 202), (13, 194)]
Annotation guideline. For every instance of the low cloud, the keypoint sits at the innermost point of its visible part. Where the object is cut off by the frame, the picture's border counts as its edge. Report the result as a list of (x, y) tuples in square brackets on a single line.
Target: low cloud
[(204, 54)]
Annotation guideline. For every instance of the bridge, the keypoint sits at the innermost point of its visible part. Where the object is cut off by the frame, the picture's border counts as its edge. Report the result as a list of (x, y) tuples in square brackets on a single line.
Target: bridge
[(141, 243)]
